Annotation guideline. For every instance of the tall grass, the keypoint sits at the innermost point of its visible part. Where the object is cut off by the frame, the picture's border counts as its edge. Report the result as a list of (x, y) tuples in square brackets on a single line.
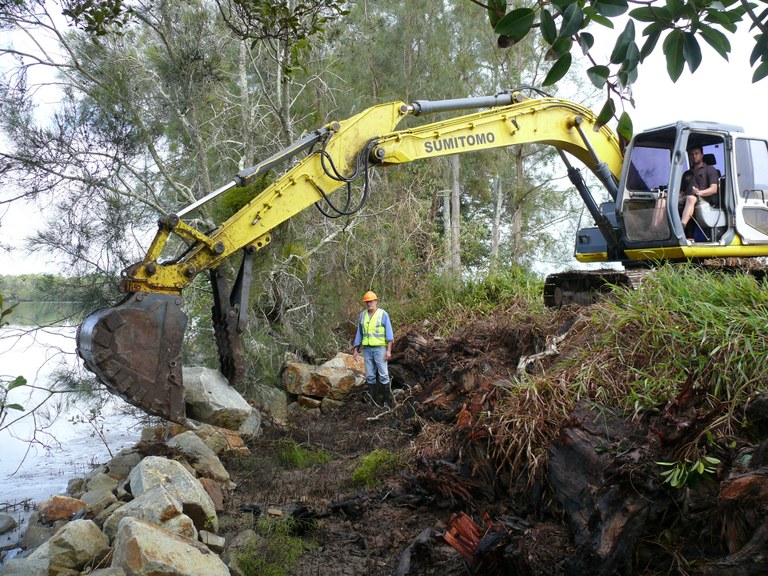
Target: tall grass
[(683, 326), (446, 305)]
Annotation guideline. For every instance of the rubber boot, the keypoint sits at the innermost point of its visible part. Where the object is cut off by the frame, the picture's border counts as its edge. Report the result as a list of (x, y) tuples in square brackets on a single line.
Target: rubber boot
[(386, 392), (371, 394)]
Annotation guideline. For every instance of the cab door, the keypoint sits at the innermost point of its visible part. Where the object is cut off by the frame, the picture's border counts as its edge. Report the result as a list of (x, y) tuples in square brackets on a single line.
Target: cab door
[(751, 190)]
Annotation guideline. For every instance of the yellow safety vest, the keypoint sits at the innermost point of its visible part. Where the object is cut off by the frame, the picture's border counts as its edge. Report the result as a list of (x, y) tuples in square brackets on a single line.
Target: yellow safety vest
[(373, 331)]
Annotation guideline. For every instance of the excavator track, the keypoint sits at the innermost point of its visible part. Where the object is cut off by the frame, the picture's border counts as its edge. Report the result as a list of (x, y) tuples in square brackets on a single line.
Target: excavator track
[(134, 348), (586, 287)]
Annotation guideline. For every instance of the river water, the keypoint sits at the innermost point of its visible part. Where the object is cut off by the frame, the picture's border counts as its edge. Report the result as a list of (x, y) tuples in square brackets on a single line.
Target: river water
[(42, 451)]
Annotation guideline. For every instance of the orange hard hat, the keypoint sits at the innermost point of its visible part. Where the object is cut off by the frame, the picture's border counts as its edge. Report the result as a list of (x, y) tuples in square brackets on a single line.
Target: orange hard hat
[(368, 296)]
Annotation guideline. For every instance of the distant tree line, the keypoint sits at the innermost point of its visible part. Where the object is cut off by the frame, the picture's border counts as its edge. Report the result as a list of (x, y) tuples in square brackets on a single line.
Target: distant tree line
[(34, 288)]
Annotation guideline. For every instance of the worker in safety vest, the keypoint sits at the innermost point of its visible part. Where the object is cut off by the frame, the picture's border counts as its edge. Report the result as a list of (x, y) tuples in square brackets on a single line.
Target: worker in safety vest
[(375, 337)]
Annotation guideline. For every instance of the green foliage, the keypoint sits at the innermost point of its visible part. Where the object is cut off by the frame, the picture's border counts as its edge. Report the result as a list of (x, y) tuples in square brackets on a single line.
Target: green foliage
[(688, 473), (446, 305), (682, 326), (98, 18), (375, 466), (293, 455), (274, 551), (681, 25)]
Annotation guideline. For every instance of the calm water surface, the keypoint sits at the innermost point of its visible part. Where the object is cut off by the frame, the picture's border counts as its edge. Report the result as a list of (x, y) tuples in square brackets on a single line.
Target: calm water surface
[(40, 454)]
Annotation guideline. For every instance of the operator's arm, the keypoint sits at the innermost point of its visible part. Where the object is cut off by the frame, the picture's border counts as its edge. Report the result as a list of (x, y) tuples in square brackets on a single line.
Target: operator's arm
[(709, 190)]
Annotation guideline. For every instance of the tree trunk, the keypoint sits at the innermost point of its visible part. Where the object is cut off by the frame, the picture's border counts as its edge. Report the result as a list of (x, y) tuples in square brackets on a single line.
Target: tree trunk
[(245, 109), (517, 205), (496, 230), (455, 218)]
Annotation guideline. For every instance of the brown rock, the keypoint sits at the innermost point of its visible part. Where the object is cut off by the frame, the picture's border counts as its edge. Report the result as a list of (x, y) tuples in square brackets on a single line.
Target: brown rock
[(213, 488), (307, 402), (60, 508)]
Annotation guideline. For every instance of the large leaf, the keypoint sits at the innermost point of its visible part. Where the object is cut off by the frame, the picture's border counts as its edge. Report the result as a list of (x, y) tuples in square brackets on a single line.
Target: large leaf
[(691, 51), (598, 75), (16, 382), (655, 14), (673, 48), (586, 41), (606, 113), (628, 70), (548, 27), (561, 47), (611, 8), (761, 72), (496, 11), (716, 39), (558, 70), (726, 20), (675, 7), (760, 49), (516, 24), (626, 38), (625, 128), (572, 20), (649, 44)]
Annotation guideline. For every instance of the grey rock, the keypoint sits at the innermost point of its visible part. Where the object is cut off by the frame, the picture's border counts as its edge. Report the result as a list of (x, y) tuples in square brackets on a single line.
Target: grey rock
[(99, 499), (122, 463), (212, 541), (100, 481), (73, 545), (36, 532), (205, 461), (211, 399), (155, 471), (252, 425), (271, 400), (143, 549), (7, 523), (25, 567)]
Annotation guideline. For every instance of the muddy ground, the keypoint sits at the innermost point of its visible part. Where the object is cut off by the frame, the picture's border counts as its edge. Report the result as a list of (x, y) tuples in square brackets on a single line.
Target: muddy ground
[(598, 506)]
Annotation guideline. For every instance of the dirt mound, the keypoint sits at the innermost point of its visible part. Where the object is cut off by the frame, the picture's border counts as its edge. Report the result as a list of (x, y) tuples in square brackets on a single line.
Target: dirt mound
[(583, 494)]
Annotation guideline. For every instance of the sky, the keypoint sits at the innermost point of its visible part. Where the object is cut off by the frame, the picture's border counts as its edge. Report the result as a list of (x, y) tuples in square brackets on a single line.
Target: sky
[(720, 91)]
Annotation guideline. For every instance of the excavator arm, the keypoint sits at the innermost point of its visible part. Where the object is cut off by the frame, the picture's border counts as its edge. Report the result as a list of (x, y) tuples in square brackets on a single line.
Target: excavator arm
[(134, 347)]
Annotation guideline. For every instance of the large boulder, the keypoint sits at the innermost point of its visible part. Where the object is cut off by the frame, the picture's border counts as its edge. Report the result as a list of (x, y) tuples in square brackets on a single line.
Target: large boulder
[(211, 399), (157, 505), (342, 360), (204, 460), (143, 549), (270, 400), (73, 545), (319, 381), (60, 508), (154, 471)]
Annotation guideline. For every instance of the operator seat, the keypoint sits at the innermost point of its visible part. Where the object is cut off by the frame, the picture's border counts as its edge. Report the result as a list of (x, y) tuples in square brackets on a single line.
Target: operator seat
[(711, 217)]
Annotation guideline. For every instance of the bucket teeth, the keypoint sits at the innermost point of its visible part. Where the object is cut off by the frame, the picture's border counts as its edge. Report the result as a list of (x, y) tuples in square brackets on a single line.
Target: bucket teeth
[(134, 348)]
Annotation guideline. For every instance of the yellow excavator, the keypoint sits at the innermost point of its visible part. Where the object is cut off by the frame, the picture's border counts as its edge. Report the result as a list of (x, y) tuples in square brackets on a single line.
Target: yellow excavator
[(134, 347)]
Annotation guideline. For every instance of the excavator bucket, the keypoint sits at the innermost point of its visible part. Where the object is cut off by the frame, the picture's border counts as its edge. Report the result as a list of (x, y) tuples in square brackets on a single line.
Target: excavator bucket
[(134, 348)]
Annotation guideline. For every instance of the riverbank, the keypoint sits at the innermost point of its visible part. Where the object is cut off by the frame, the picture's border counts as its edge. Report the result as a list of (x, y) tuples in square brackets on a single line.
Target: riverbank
[(42, 451)]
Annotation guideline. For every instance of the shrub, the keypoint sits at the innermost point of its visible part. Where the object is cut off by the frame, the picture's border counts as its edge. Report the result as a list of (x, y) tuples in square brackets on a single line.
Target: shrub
[(374, 466), (275, 551)]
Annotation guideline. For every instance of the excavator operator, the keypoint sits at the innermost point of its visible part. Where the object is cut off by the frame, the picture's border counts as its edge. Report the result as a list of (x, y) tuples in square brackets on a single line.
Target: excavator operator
[(703, 183)]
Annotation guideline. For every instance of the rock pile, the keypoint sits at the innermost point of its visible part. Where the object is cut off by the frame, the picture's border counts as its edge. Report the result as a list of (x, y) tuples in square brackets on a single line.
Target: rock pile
[(153, 509), (138, 514)]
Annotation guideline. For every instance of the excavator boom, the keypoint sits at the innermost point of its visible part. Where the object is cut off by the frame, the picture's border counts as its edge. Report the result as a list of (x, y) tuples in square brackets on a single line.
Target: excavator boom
[(135, 347)]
